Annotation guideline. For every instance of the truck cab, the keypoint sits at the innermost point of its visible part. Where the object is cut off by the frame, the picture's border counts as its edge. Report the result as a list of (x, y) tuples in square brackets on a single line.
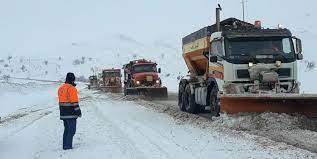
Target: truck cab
[(142, 73), (253, 60), (141, 77), (111, 80), (236, 57), (93, 82)]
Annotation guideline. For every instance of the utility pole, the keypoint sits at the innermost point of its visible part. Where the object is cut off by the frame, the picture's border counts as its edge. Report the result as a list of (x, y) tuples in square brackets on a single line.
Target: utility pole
[(243, 2)]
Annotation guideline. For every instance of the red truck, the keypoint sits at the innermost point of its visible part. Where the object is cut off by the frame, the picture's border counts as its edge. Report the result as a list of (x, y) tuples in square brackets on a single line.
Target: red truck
[(141, 77)]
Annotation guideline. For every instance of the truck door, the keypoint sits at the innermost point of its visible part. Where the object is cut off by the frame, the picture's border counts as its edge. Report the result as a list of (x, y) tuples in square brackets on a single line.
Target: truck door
[(216, 69)]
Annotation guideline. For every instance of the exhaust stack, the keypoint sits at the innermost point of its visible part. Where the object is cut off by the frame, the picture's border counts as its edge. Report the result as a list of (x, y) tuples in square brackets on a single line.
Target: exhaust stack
[(218, 9)]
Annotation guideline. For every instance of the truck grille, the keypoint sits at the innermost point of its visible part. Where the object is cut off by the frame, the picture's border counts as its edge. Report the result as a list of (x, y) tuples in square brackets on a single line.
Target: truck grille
[(243, 73), (149, 78), (282, 72)]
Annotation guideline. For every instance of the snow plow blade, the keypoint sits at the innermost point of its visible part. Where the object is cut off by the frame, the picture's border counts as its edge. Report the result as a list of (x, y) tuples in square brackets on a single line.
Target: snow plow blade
[(152, 92), (112, 89), (305, 104)]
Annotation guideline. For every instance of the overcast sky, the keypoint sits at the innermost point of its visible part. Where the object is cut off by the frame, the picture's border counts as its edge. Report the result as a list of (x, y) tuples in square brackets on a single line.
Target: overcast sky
[(34, 27)]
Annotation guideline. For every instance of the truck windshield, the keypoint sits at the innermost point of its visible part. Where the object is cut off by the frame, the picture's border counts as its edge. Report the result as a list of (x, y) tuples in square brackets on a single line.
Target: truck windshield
[(260, 50), (111, 74), (144, 68)]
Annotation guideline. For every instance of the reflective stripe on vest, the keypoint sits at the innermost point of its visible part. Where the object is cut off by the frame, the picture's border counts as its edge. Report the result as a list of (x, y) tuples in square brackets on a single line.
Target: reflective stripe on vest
[(68, 104), (69, 116)]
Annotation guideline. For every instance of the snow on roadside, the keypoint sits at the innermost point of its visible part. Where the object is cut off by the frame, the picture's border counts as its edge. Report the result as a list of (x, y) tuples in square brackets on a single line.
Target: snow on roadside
[(18, 95), (297, 131)]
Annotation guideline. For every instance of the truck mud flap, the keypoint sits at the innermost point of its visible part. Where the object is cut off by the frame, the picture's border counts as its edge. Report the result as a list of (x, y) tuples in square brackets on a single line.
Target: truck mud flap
[(305, 104), (157, 93)]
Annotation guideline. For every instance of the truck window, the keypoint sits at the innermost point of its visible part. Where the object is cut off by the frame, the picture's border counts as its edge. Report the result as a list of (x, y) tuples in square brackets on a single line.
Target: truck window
[(216, 47), (111, 74), (144, 68), (287, 45), (244, 50)]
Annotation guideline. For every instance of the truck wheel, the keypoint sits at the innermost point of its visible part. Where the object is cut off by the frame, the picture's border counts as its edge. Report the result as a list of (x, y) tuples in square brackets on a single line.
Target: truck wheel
[(189, 101), (202, 109), (181, 90), (214, 102), (125, 91)]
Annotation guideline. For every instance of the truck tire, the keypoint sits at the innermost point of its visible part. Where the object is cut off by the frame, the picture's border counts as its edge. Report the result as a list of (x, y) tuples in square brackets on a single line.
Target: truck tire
[(189, 101), (214, 102), (181, 89), (125, 93)]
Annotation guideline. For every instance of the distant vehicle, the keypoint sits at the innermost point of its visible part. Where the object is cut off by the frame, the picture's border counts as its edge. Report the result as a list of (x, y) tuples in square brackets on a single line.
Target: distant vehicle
[(111, 80), (93, 82), (141, 77), (237, 67)]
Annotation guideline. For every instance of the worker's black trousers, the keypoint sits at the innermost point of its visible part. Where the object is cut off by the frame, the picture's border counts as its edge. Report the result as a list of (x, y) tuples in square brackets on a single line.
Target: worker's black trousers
[(69, 132)]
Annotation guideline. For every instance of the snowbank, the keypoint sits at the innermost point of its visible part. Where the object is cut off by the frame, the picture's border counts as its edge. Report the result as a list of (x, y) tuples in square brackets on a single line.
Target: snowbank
[(17, 95)]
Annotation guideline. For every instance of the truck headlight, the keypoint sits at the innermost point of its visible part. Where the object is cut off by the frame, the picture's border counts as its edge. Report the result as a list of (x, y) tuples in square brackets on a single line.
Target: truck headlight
[(157, 81), (278, 63), (138, 82)]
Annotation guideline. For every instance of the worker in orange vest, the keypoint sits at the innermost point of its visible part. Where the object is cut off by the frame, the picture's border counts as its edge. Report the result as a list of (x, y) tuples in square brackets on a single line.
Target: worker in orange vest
[(69, 109)]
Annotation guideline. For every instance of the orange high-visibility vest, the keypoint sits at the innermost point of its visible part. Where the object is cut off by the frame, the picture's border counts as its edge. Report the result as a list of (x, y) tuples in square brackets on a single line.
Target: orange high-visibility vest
[(67, 95), (68, 102)]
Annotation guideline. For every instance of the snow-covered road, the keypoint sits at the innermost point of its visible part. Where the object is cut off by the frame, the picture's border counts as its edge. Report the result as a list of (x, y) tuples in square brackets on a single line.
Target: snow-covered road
[(124, 129)]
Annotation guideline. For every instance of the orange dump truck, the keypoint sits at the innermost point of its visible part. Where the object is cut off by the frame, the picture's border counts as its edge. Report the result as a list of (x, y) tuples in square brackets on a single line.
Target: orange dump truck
[(235, 66), (111, 80)]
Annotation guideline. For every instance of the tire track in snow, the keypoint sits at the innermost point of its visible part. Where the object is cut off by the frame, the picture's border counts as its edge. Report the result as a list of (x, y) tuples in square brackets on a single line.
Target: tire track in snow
[(117, 136), (149, 142), (158, 144), (153, 136), (132, 129), (39, 113), (32, 122)]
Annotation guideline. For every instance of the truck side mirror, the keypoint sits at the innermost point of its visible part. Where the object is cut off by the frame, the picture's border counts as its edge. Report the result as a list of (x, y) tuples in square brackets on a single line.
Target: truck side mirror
[(298, 46), (159, 70), (213, 58), (299, 56), (298, 49)]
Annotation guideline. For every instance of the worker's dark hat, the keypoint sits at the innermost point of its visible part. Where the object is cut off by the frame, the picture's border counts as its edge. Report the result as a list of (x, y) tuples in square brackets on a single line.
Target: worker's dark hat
[(70, 77)]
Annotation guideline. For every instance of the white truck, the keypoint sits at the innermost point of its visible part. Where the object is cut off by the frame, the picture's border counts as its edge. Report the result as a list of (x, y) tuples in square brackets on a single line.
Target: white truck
[(235, 66)]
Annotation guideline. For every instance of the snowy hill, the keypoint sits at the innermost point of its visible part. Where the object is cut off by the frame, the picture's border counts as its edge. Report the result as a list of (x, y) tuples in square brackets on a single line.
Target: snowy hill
[(114, 32), (99, 54)]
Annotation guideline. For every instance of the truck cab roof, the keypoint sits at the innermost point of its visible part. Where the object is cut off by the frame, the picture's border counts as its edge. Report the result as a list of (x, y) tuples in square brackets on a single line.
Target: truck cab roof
[(138, 62), (256, 33), (111, 70), (234, 28)]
